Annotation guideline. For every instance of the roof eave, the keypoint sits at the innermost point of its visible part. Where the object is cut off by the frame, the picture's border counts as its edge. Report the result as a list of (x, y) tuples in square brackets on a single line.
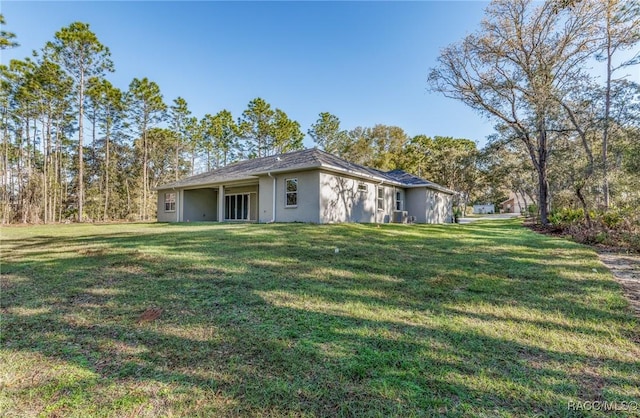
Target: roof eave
[(287, 170), (360, 174), (432, 187), (214, 183)]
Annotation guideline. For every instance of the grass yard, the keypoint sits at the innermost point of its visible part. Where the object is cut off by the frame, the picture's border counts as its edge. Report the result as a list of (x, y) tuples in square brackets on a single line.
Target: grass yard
[(484, 319)]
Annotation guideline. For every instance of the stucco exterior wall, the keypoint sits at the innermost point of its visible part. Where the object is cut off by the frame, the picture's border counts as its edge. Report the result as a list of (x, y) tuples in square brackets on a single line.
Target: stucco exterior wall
[(240, 189), (439, 208), (342, 201), (416, 204), (446, 214), (307, 209), (162, 214), (429, 206), (200, 205)]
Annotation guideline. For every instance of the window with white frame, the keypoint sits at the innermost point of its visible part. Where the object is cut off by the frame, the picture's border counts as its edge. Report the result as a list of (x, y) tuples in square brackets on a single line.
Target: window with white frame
[(380, 198), (398, 201), (362, 187), (291, 195), (169, 202)]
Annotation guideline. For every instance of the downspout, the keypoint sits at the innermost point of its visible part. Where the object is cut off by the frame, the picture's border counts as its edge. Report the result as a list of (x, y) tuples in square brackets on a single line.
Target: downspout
[(273, 198), (384, 197)]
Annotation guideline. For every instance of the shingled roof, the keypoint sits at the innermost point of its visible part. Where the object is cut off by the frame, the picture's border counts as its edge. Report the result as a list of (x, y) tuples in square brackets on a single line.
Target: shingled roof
[(298, 161)]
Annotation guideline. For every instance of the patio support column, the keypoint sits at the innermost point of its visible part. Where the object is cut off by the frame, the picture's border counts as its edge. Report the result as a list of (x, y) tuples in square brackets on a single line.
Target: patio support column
[(221, 203)]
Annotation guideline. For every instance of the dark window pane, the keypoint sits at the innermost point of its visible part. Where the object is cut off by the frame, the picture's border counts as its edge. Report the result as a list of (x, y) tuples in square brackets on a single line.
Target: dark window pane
[(292, 185), (292, 199)]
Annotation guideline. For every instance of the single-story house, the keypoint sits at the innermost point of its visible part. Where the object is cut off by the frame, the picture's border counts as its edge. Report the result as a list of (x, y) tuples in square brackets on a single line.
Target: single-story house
[(484, 208), (304, 186)]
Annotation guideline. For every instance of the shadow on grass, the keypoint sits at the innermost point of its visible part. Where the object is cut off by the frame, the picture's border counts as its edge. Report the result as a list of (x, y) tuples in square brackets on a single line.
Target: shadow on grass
[(272, 317)]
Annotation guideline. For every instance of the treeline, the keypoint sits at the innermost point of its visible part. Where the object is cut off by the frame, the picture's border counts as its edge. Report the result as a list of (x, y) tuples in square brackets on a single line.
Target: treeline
[(76, 147)]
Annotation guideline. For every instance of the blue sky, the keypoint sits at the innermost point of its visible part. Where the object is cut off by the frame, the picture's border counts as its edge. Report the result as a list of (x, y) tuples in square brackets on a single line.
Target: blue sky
[(365, 62)]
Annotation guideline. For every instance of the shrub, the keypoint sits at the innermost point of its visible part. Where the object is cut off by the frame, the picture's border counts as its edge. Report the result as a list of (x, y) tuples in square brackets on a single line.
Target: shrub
[(618, 227), (457, 213), (632, 240), (612, 219), (565, 217)]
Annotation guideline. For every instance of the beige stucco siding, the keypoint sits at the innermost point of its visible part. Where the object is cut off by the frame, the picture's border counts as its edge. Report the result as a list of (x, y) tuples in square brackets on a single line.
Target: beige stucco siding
[(164, 215), (199, 205), (240, 189), (307, 208), (342, 201), (438, 207), (429, 206), (416, 204)]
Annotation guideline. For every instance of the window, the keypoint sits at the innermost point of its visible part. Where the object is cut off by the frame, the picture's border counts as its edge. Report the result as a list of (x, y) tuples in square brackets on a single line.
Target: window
[(169, 202), (291, 197), (362, 187), (380, 198), (398, 201)]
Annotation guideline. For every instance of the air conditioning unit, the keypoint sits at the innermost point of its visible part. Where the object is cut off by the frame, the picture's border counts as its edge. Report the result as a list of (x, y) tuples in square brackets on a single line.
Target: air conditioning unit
[(400, 216)]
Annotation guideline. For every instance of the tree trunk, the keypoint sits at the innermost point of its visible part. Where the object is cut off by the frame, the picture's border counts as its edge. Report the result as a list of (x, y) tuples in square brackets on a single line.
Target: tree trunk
[(607, 110), (543, 183), (126, 183), (543, 197), (80, 148), (144, 176), (24, 207), (107, 166), (193, 160), (583, 203), (5, 171), (45, 194), (177, 160)]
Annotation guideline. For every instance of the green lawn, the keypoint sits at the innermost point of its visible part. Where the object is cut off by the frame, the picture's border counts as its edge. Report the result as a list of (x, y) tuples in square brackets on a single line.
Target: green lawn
[(484, 319)]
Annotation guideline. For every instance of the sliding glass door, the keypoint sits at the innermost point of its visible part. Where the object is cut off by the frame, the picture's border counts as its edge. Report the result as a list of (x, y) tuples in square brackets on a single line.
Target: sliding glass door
[(236, 207)]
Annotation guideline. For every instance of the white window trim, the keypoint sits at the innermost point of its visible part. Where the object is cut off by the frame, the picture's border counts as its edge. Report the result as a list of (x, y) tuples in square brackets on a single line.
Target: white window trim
[(167, 194), (378, 199), (399, 200), (286, 193), (363, 187)]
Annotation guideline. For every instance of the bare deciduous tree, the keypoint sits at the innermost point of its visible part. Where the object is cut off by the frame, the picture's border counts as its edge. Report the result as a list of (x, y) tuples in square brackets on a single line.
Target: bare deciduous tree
[(518, 68)]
